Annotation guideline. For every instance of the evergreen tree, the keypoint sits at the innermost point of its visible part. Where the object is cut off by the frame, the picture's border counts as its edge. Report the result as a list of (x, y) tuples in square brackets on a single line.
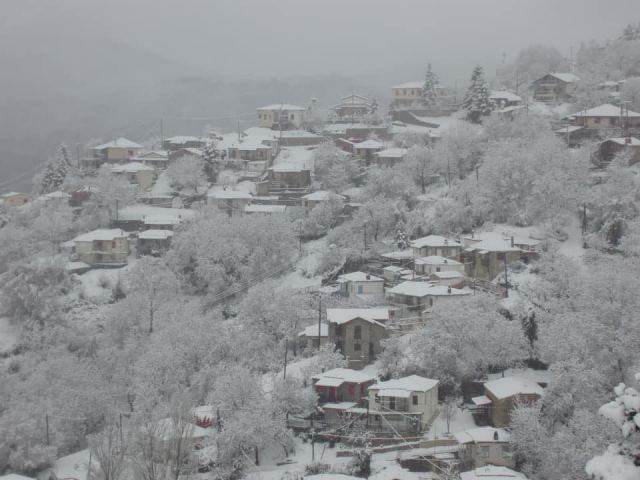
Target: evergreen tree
[(402, 242), (211, 156), (476, 101), (429, 97), (55, 171)]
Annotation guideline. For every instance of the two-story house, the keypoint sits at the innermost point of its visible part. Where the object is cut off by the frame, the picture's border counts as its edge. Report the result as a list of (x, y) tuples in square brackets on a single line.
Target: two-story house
[(342, 385), (554, 87), (503, 394), (136, 173), (406, 404), (232, 202), (103, 247), (436, 245), (436, 263), (120, 150), (281, 116), (357, 333), (351, 109)]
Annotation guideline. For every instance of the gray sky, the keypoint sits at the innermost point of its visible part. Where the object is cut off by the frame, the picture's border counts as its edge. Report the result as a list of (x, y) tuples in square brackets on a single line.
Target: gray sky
[(284, 37)]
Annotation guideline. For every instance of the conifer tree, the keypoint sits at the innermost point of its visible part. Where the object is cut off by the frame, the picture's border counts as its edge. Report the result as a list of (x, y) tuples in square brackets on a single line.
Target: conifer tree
[(55, 171), (211, 156), (429, 97), (476, 101)]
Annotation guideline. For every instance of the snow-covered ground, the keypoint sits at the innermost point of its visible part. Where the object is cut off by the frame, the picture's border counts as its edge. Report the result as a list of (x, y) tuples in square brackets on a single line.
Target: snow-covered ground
[(8, 335), (460, 420)]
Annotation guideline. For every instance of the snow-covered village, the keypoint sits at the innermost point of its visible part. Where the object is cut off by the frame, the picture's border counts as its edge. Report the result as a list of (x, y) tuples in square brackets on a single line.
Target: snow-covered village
[(430, 274)]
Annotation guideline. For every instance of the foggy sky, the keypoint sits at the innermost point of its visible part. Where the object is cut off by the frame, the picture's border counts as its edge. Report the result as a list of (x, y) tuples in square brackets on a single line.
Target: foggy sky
[(266, 38)]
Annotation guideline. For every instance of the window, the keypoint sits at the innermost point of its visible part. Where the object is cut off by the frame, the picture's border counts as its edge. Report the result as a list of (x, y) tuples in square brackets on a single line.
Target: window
[(506, 451), (392, 403), (357, 347), (484, 452), (359, 288), (338, 330), (437, 269), (596, 120), (357, 332), (414, 399)]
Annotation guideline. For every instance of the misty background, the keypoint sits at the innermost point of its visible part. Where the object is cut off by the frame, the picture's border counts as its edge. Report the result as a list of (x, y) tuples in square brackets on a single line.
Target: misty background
[(76, 71)]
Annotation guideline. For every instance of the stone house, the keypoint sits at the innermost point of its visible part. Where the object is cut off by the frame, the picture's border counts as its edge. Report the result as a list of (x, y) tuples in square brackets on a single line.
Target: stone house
[(153, 242), (486, 254), (357, 332), (407, 404)]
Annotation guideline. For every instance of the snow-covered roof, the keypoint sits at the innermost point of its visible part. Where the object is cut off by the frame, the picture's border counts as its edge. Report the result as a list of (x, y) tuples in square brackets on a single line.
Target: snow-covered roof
[(153, 154), (289, 167), (436, 260), (57, 194), (605, 110), (398, 255), (496, 242), (11, 194), (569, 129), (351, 101), (102, 234), (140, 212), (343, 315), (14, 476), (254, 208), (482, 435), (423, 289), (131, 167), (504, 94), (312, 331), (392, 153), (346, 375), (510, 386), (491, 472), (359, 277), (369, 145), (632, 141), (298, 134), (166, 430), (229, 194), (74, 266), (448, 274), (320, 196), (404, 386), (566, 77), (74, 466), (335, 406), (282, 106), (120, 142), (416, 84), (181, 139), (481, 400), (155, 234), (434, 241)]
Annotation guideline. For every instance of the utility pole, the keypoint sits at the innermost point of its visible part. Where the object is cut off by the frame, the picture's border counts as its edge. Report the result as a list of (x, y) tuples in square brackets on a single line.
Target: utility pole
[(319, 321), (506, 281), (365, 236), (78, 154), (121, 442), (286, 352), (46, 420), (161, 132)]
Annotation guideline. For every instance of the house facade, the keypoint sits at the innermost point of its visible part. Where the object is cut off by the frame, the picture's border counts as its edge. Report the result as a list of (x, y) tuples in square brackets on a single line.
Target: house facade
[(608, 149), (120, 150), (136, 173), (351, 109), (281, 117), (342, 385), (436, 245), (501, 396), (554, 87), (103, 248), (310, 339), (607, 117), (14, 199), (172, 144), (361, 284), (232, 202), (357, 333), (487, 254), (484, 446), (407, 404), (153, 242), (436, 263)]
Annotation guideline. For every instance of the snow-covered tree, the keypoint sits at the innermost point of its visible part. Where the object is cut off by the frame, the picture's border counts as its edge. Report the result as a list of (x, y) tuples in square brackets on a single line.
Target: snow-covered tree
[(187, 174), (55, 171), (476, 101), (211, 157), (429, 96)]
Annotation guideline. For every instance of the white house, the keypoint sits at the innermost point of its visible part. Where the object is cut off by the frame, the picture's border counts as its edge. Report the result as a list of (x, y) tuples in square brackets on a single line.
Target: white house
[(103, 247), (436, 263), (436, 245), (361, 284), (281, 116), (406, 404)]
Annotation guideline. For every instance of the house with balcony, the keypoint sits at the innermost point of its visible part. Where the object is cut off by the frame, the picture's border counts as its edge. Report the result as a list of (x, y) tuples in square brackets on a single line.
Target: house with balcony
[(351, 109), (484, 446), (436, 245), (120, 150), (103, 247), (153, 242), (554, 88), (281, 116), (357, 333), (504, 98), (414, 300), (360, 284), (342, 385), (435, 264), (405, 405), (136, 173), (607, 117)]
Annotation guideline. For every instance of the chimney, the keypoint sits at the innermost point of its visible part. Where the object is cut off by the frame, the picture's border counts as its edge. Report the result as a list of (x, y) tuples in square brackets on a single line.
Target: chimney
[(446, 241), (449, 289), (495, 435), (512, 242), (368, 277), (627, 141)]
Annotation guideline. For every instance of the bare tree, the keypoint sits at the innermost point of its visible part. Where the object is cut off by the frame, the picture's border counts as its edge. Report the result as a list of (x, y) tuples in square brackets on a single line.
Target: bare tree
[(109, 450)]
